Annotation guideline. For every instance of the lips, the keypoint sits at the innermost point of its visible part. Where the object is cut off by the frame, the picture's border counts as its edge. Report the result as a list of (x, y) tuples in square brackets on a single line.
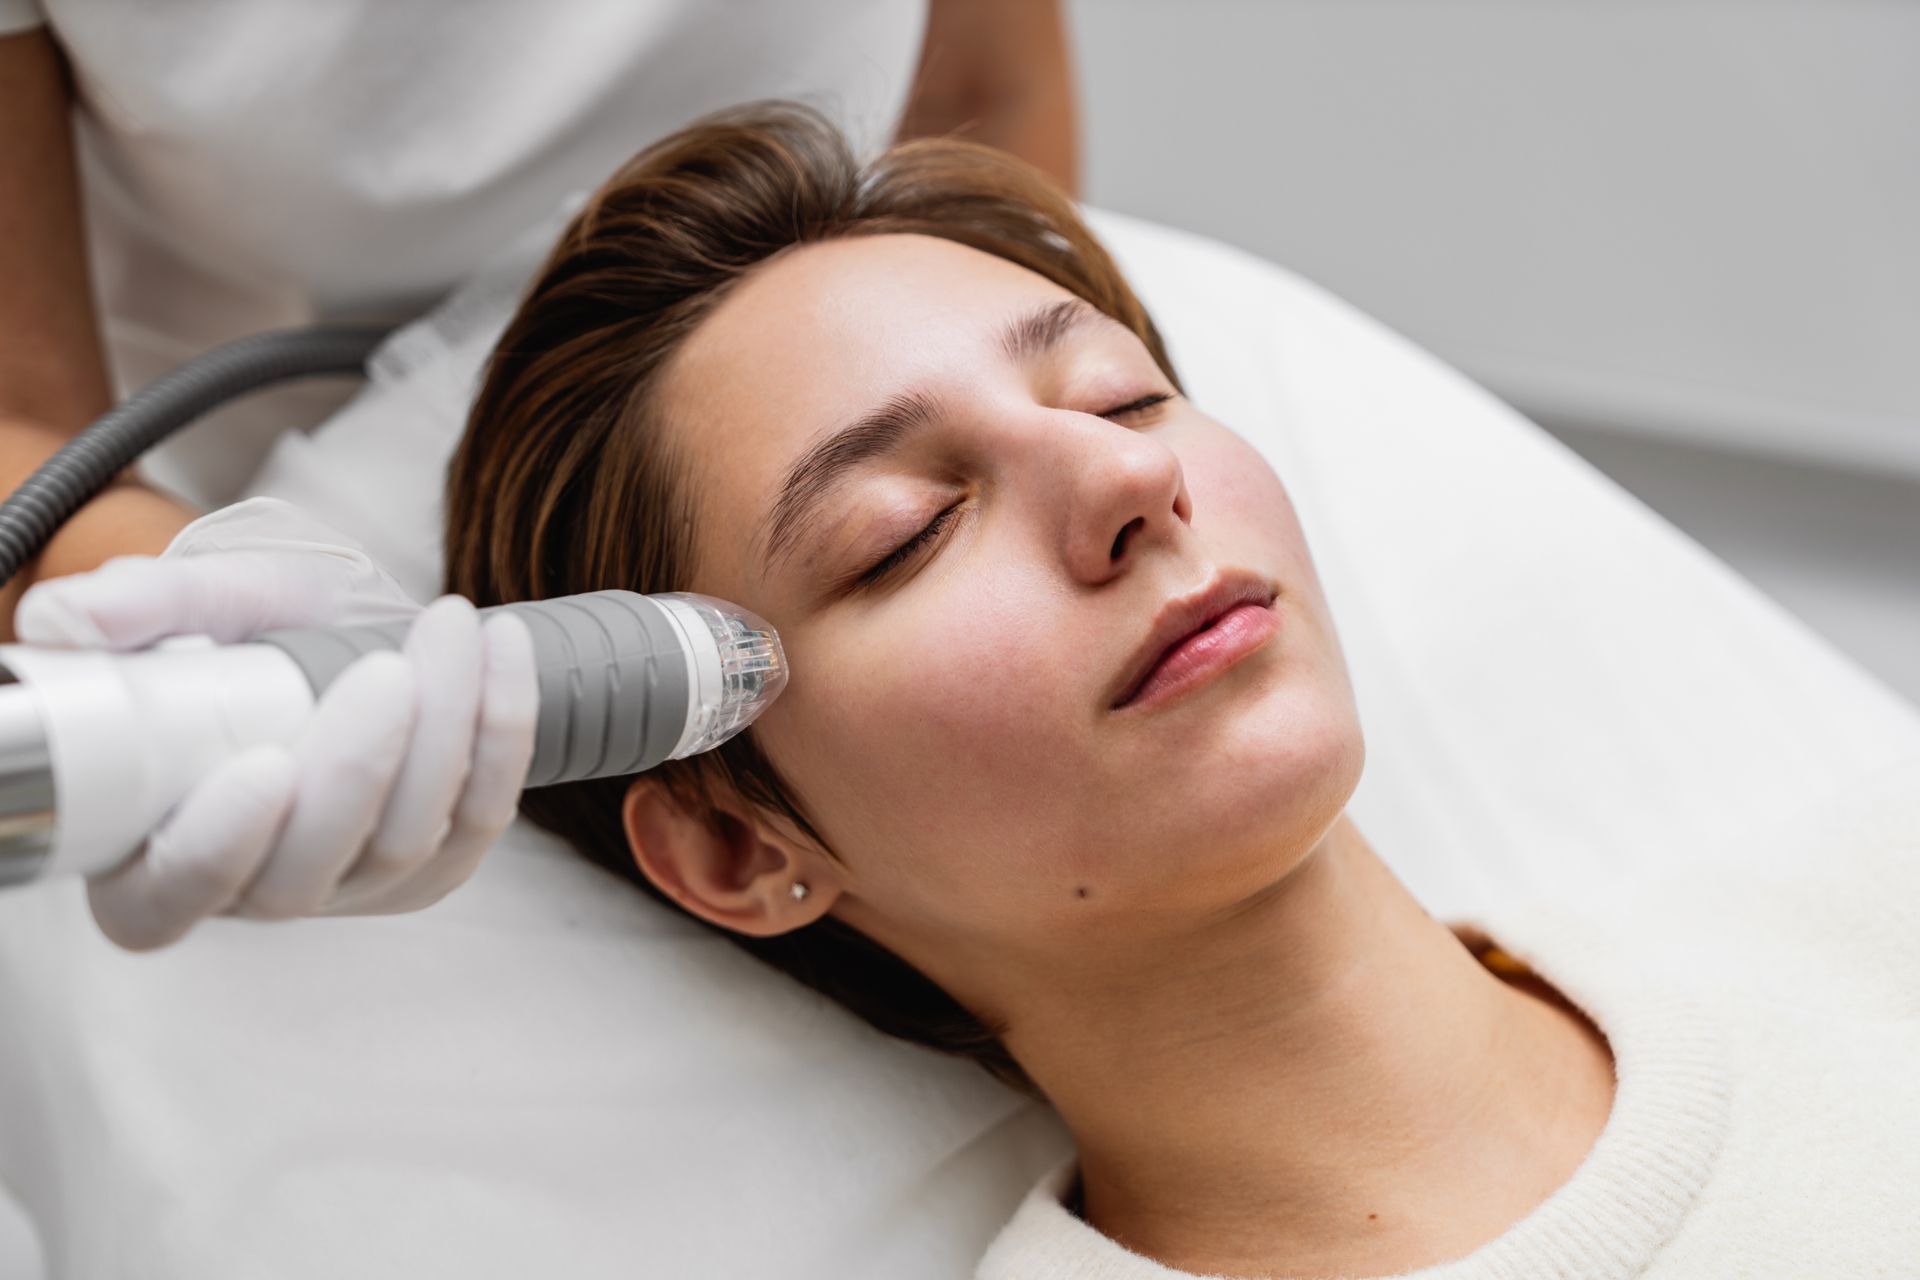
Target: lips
[(1182, 617)]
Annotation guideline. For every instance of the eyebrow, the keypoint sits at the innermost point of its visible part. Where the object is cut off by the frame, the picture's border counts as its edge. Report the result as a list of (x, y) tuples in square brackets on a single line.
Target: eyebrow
[(883, 431)]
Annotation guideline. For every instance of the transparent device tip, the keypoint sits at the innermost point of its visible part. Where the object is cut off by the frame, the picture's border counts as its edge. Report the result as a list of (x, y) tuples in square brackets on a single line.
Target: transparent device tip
[(733, 681)]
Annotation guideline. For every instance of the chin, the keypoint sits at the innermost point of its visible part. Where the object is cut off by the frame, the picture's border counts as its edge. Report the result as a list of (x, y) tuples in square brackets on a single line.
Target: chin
[(1290, 752)]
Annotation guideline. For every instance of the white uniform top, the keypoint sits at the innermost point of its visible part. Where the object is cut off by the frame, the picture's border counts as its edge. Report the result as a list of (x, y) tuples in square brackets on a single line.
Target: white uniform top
[(250, 164)]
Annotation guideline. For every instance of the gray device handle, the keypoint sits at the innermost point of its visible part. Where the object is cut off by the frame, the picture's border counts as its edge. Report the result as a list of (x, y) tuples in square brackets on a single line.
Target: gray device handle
[(612, 669)]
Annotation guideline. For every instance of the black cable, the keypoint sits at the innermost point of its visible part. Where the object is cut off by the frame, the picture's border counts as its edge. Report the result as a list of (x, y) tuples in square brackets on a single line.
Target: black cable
[(88, 463)]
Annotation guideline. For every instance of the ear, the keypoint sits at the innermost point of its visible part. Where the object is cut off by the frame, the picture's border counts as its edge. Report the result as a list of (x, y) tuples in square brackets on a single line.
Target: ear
[(726, 867)]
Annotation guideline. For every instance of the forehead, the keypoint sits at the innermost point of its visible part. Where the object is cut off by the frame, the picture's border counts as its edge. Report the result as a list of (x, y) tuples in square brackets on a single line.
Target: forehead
[(817, 336)]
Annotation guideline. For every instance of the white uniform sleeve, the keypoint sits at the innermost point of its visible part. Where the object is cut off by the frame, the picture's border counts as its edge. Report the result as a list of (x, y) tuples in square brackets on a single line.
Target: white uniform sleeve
[(17, 16)]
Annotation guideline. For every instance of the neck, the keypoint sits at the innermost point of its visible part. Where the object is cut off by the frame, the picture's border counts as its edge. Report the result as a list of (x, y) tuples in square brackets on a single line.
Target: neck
[(1326, 1078)]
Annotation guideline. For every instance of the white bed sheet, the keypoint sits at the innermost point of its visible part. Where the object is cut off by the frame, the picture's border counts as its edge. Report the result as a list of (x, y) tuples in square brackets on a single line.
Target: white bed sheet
[(546, 1072)]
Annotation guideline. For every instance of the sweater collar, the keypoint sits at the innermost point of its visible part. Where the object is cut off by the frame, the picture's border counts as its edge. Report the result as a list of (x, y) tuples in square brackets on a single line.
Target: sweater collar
[(1623, 1202)]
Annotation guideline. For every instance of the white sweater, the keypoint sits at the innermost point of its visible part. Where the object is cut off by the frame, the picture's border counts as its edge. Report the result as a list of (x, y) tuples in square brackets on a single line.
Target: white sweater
[(1764, 1015)]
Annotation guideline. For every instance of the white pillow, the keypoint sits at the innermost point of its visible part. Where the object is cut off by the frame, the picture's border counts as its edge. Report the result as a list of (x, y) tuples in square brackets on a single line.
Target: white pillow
[(546, 1071)]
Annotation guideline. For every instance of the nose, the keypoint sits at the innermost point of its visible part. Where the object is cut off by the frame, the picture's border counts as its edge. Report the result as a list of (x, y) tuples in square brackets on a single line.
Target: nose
[(1127, 492)]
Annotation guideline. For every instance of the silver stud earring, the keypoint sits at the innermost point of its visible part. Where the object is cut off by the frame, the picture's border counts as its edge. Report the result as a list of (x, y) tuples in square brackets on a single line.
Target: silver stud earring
[(799, 890)]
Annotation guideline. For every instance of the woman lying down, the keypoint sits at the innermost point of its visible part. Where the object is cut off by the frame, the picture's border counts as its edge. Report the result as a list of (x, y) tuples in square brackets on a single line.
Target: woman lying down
[(1060, 780)]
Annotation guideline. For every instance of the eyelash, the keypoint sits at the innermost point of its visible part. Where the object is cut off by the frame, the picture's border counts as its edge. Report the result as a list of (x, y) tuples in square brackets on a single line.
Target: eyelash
[(905, 551)]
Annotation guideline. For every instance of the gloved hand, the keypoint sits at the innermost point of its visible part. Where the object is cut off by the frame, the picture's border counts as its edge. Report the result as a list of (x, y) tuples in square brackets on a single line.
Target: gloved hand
[(409, 769)]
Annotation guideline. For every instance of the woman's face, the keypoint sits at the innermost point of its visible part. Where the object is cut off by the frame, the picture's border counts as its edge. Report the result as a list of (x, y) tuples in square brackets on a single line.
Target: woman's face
[(949, 724)]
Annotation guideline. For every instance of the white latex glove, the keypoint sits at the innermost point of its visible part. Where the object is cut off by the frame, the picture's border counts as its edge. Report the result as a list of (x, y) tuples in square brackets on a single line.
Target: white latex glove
[(408, 770)]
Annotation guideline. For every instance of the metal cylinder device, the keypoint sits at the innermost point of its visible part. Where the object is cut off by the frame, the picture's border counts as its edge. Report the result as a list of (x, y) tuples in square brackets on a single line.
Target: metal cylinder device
[(96, 747)]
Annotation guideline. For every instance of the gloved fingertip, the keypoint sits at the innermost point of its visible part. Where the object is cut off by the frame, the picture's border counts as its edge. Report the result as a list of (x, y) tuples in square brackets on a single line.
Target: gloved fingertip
[(451, 603), (47, 616), (447, 638), (510, 699), (126, 929), (377, 682), (510, 630)]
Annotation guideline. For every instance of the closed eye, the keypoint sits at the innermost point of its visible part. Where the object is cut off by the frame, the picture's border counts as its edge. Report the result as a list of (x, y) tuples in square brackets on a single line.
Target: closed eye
[(905, 551), (1137, 406)]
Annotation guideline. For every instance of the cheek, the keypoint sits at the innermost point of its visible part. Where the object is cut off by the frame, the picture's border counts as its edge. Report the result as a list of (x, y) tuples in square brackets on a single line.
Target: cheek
[(939, 705), (1232, 485), (1240, 506)]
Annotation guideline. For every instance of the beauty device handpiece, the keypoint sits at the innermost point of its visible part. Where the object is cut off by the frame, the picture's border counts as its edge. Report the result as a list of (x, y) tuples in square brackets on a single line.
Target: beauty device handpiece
[(96, 747)]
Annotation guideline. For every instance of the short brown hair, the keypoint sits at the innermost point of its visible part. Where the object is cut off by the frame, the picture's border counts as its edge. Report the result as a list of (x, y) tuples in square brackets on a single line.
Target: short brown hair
[(566, 482)]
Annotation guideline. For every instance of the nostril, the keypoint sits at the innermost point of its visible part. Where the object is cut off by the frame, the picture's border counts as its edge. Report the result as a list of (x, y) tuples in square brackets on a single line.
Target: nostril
[(1119, 543)]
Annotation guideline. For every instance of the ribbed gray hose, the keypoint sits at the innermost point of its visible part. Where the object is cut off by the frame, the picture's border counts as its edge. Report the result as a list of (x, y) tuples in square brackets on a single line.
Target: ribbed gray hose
[(88, 463)]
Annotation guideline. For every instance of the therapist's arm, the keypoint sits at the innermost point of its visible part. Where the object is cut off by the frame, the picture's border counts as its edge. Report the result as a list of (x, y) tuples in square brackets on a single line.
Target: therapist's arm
[(1000, 72), (53, 377)]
